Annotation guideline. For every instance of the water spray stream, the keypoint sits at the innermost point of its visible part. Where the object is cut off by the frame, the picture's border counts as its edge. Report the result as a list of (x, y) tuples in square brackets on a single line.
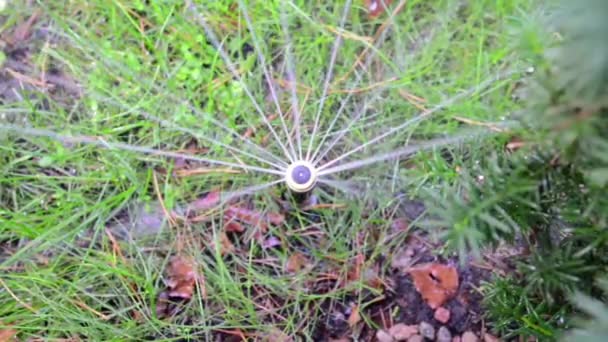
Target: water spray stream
[(291, 78), (397, 154), (111, 66), (278, 164), (97, 141), (328, 77), (301, 168), (266, 73), (229, 196), (358, 78), (415, 119), (212, 37)]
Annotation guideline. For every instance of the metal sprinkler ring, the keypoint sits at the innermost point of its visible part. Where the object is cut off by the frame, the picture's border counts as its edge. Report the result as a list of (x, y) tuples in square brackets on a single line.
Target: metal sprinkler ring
[(301, 176)]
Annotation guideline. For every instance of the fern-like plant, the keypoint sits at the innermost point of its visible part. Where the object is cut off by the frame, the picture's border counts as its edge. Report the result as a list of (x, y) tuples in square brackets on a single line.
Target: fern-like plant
[(551, 195)]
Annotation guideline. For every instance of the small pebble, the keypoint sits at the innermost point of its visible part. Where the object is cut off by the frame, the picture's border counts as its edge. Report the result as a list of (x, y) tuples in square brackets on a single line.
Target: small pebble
[(416, 338), (444, 335), (427, 330), (402, 332), (383, 336), (469, 336), (442, 315), (490, 338)]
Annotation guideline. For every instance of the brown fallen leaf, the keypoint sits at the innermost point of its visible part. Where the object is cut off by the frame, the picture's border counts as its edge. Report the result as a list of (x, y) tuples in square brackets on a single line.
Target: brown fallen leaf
[(181, 281), (253, 217), (24, 30), (233, 227), (209, 201), (355, 316), (354, 272), (226, 246), (371, 277), (436, 283), (181, 277), (376, 7), (7, 334), (515, 144), (295, 263)]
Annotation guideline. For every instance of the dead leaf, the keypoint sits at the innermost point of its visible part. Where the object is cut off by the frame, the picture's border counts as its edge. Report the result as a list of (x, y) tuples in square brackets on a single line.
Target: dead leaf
[(24, 30), (233, 227), (436, 283), (354, 273), (226, 246), (514, 144), (371, 277), (7, 334), (253, 217), (355, 316), (211, 200), (295, 263), (376, 7), (181, 277), (181, 281)]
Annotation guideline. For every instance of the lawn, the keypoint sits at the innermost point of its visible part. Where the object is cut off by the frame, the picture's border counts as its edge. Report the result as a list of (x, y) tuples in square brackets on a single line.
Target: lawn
[(122, 124)]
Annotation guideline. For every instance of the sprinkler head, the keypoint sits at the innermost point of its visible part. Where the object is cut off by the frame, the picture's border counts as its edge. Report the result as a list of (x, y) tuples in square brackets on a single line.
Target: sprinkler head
[(301, 176)]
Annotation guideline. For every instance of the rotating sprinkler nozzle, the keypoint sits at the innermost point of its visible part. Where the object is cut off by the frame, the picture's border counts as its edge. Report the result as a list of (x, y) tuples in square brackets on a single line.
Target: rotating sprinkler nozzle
[(301, 176)]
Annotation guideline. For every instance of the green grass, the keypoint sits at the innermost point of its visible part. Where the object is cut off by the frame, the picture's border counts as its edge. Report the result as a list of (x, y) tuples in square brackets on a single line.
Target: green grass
[(61, 273)]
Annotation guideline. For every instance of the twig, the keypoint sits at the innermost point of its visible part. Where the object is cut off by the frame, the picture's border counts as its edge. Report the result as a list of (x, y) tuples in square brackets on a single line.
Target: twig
[(491, 126), (88, 308), (25, 305)]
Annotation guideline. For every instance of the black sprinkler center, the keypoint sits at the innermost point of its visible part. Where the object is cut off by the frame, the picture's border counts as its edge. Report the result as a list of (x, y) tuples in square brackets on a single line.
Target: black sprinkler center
[(300, 174)]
